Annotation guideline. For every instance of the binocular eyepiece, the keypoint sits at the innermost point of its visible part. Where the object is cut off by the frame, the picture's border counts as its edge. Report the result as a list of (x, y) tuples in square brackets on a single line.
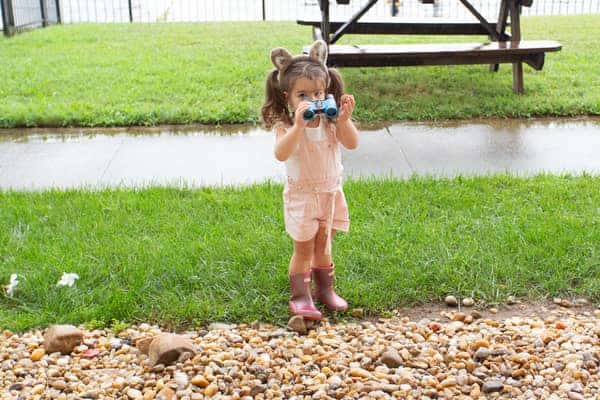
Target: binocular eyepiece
[(326, 106)]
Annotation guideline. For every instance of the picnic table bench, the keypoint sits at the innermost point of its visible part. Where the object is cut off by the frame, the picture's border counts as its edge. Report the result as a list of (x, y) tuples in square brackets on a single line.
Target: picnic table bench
[(502, 47)]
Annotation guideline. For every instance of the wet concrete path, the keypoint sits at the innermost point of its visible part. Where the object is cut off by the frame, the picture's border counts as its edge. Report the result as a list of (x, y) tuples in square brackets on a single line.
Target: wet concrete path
[(196, 156)]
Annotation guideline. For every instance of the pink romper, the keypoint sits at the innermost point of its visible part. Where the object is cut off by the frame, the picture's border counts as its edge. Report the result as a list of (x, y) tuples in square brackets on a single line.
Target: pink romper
[(313, 194)]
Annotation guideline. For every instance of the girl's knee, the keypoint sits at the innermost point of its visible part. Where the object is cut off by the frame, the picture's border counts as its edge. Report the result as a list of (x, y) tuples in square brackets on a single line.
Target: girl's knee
[(304, 249)]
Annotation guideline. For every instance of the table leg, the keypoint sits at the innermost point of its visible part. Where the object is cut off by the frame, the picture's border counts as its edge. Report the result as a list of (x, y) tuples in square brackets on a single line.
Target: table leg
[(515, 28), (324, 5), (501, 28)]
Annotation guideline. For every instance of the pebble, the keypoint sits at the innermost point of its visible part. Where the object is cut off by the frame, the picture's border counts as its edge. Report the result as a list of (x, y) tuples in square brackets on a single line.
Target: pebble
[(481, 354), (451, 301), (37, 354), (181, 379), (468, 302), (523, 356), (391, 358), (492, 386), (211, 390), (199, 381), (360, 373), (134, 394), (459, 316), (166, 393)]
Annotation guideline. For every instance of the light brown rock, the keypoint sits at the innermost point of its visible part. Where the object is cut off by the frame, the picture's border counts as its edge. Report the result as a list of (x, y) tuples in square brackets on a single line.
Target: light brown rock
[(296, 324), (168, 348), (62, 338)]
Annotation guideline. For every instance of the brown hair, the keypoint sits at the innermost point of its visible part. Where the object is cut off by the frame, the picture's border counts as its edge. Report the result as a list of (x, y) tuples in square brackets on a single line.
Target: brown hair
[(275, 108)]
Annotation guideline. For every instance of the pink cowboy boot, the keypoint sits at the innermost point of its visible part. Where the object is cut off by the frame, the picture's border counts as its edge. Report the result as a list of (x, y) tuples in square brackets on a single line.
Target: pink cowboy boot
[(324, 289), (301, 302)]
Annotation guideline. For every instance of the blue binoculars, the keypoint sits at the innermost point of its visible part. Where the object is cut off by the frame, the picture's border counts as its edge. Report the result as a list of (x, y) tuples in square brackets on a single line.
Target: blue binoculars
[(326, 106)]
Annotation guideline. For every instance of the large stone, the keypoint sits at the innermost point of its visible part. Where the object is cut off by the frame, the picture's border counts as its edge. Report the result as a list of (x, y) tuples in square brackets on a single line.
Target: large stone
[(168, 348), (297, 324), (62, 338), (143, 343)]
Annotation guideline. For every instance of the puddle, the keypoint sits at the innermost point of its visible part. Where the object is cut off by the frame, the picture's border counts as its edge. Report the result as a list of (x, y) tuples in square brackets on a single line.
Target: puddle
[(200, 155)]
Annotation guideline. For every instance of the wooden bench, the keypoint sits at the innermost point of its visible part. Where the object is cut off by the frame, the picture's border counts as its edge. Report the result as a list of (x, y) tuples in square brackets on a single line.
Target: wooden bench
[(530, 52), (503, 48)]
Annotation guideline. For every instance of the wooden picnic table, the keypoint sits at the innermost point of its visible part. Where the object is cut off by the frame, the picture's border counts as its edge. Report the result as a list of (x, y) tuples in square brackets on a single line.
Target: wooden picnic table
[(504, 47)]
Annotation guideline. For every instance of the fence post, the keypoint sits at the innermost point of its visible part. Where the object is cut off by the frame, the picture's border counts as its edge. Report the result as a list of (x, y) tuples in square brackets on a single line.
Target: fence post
[(4, 19), (264, 14), (8, 18), (130, 12), (44, 12), (58, 17)]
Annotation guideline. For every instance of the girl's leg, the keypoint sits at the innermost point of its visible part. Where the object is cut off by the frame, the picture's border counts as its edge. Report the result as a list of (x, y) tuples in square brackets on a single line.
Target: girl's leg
[(301, 302), (323, 271), (319, 258), (303, 253)]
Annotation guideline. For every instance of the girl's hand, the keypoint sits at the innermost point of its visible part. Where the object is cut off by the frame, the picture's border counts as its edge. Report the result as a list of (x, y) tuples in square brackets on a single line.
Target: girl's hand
[(299, 114), (347, 104)]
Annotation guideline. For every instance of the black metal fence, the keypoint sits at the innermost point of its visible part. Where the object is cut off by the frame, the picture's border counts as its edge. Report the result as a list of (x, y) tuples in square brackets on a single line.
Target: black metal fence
[(75, 11), (22, 14), (18, 15)]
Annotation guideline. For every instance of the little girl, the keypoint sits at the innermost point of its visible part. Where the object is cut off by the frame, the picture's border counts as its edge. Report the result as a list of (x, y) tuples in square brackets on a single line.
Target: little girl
[(314, 202)]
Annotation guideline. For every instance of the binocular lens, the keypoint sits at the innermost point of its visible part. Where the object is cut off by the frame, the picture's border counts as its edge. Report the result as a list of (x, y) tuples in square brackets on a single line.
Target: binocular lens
[(309, 115)]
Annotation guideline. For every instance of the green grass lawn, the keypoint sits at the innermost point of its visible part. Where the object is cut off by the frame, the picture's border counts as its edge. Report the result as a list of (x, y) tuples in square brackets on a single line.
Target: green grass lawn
[(146, 74), (183, 256)]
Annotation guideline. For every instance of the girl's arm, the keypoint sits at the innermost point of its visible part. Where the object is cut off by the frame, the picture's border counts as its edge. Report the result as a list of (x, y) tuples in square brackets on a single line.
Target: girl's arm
[(287, 140), (346, 132)]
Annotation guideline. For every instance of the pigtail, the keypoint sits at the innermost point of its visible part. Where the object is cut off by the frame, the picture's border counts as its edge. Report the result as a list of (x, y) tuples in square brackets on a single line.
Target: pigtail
[(336, 85), (275, 108)]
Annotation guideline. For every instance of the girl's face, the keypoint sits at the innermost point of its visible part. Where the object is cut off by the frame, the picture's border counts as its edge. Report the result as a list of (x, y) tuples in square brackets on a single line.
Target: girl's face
[(314, 89)]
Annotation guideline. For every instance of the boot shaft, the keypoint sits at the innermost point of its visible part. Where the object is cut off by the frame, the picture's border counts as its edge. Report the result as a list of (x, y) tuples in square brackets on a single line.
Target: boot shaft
[(301, 302), (300, 284), (324, 278)]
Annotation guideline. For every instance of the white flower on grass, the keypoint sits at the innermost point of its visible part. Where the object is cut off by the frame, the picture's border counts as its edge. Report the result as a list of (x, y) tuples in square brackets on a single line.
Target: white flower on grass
[(12, 285), (67, 279)]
